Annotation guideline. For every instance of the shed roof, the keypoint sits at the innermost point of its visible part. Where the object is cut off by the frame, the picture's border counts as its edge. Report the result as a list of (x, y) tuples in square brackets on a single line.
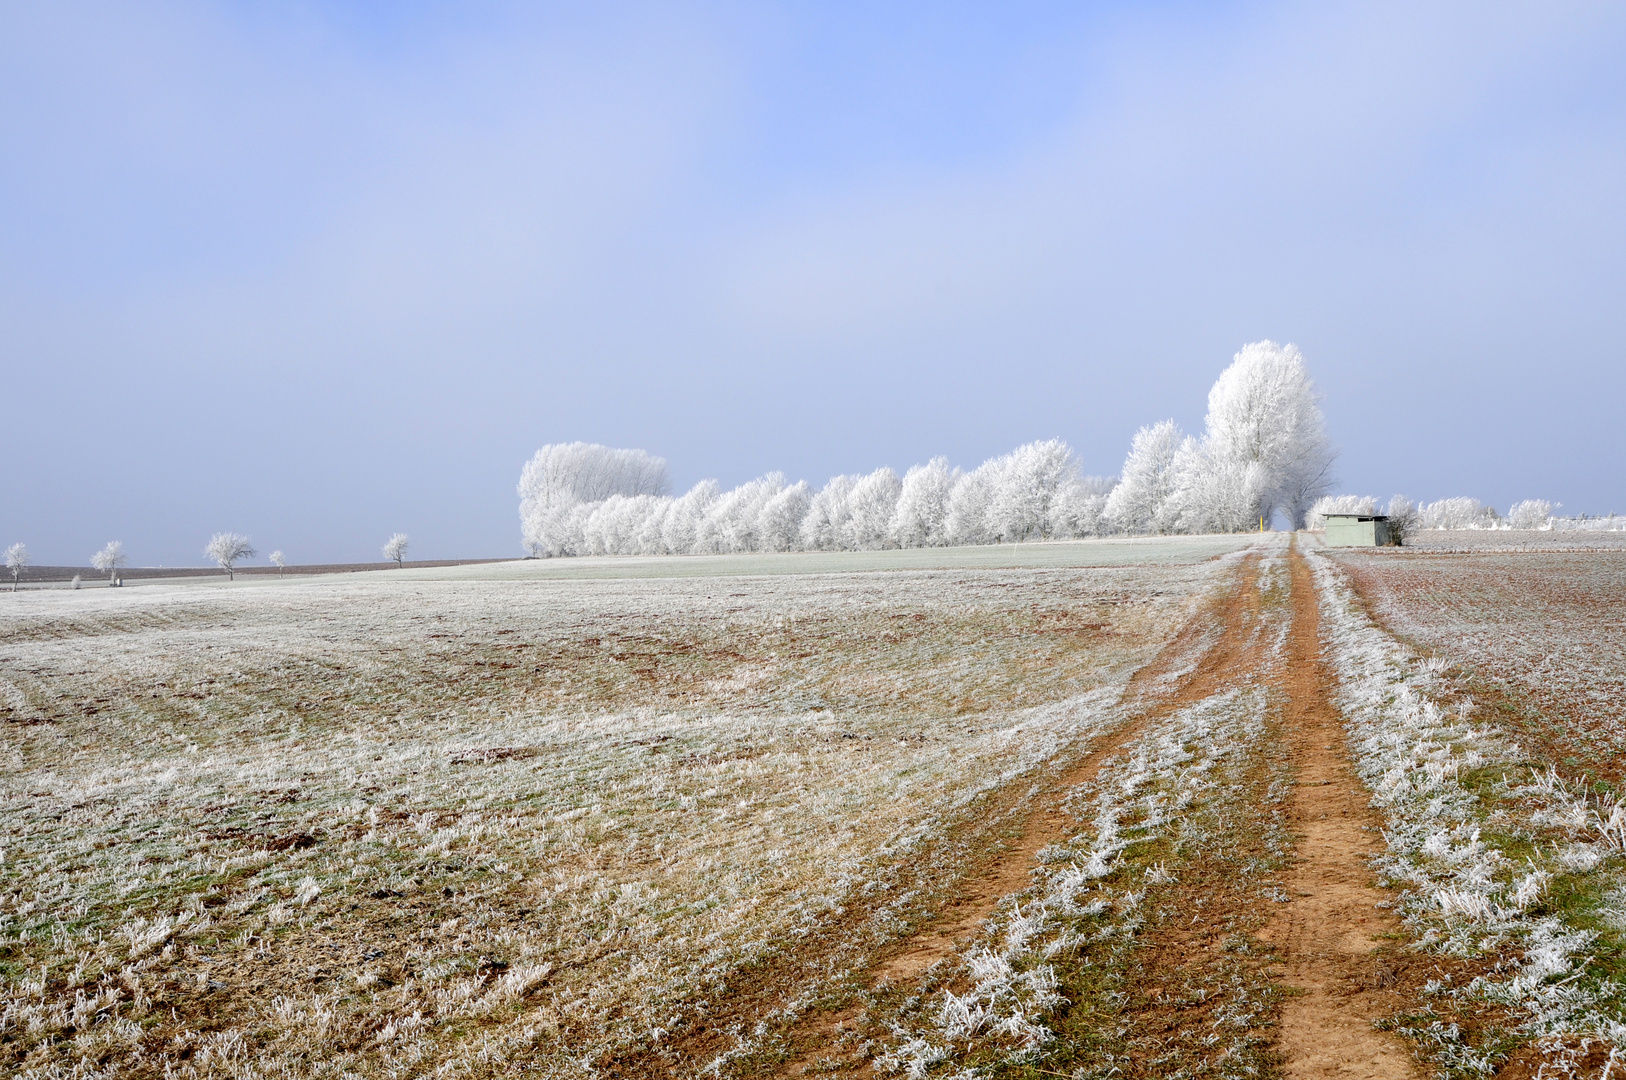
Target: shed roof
[(1357, 517)]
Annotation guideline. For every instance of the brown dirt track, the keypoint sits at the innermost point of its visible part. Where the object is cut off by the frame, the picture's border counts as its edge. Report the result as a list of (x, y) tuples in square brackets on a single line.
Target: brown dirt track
[(1328, 939), (1330, 934)]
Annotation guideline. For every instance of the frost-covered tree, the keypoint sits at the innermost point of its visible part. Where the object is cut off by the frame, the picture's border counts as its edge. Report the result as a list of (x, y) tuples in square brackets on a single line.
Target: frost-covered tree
[(228, 549), (395, 549), (279, 561), (1264, 441), (1402, 514), (780, 526), (969, 502), (16, 563), (110, 559), (625, 525), (870, 507), (1081, 507), (732, 522), (1338, 504), (1140, 502), (1531, 514), (921, 518), (587, 472), (1218, 493), (681, 529), (825, 528), (649, 536), (563, 476), (1460, 512), (1035, 483)]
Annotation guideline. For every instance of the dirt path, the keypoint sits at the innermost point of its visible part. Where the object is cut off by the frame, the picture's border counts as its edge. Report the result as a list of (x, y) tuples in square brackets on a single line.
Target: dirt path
[(1328, 935), (1217, 643)]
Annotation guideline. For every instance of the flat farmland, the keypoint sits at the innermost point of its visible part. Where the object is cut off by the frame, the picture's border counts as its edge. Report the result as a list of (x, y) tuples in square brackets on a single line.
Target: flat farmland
[(1540, 636), (1197, 807), (465, 820)]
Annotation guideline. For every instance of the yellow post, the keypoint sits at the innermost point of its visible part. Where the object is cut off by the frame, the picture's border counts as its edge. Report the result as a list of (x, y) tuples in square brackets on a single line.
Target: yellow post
[(1261, 524)]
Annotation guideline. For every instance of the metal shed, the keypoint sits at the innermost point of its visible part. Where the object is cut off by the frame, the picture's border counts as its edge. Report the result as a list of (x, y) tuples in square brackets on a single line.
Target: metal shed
[(1360, 530)]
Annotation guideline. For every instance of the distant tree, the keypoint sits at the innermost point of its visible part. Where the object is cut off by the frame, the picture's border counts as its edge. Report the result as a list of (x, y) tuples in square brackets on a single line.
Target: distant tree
[(624, 525), (681, 529), (278, 561), (969, 501), (1037, 481), (16, 563), (1140, 502), (780, 525), (1217, 493), (1403, 518), (1460, 512), (870, 506), (1080, 508), (563, 476), (825, 526), (921, 519), (734, 521), (395, 550), (110, 559), (1531, 514), (228, 549)]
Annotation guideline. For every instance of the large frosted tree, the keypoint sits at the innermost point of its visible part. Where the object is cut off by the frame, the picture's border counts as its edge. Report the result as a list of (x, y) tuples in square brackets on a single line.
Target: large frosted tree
[(1265, 445)]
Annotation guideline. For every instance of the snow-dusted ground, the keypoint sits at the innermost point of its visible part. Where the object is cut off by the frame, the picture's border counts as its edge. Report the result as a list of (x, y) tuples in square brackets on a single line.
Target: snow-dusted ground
[(1503, 859), (1547, 631), (1441, 541), (303, 827)]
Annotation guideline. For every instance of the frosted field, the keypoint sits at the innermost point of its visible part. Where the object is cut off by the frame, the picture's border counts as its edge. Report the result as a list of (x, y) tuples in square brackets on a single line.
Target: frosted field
[(1544, 634), (1047, 810), (446, 820), (1471, 541), (1490, 732)]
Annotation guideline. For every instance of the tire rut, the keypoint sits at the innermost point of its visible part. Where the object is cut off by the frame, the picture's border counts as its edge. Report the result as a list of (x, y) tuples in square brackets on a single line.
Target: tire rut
[(1330, 935), (1216, 645)]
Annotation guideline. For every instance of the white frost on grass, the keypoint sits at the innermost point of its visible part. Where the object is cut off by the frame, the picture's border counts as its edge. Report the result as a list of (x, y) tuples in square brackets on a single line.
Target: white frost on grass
[(1084, 892), (1451, 789), (217, 755)]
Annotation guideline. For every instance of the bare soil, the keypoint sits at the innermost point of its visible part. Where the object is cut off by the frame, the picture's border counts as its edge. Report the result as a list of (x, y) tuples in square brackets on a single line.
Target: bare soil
[(1331, 935), (1334, 943), (1217, 644)]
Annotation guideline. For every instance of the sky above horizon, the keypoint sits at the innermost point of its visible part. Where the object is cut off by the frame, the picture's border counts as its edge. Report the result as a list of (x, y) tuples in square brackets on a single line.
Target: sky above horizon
[(319, 272)]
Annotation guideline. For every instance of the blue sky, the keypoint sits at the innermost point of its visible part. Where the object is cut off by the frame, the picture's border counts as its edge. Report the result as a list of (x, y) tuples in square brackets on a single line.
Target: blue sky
[(318, 273)]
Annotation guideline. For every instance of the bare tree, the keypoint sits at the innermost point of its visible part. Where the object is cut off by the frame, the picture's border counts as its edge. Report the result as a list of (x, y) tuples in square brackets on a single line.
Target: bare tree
[(228, 549), (278, 561), (396, 549), (110, 559), (16, 563)]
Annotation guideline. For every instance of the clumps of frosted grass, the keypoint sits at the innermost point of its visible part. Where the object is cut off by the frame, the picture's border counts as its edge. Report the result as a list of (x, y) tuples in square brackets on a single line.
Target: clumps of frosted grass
[(1464, 896), (1085, 893)]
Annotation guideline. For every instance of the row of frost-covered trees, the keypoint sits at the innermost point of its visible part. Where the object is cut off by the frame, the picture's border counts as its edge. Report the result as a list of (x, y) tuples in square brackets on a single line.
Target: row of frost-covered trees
[(1461, 512), (1263, 449)]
